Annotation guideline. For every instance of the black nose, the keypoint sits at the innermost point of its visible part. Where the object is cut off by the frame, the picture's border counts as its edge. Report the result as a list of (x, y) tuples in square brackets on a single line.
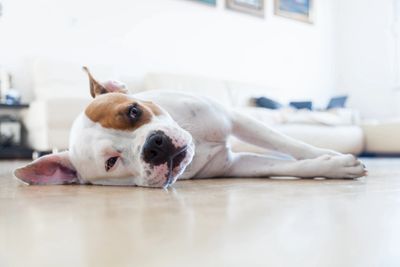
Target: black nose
[(158, 148)]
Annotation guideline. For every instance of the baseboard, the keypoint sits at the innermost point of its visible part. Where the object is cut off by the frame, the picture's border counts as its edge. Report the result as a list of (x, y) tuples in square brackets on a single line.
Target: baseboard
[(380, 155)]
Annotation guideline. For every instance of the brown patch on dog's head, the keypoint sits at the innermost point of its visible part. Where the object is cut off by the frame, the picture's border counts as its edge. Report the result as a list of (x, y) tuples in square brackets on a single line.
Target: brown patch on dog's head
[(114, 111), (113, 108)]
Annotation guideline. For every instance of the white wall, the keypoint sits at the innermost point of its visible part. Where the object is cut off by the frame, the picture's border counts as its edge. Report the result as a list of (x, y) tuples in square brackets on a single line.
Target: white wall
[(366, 60), (176, 36)]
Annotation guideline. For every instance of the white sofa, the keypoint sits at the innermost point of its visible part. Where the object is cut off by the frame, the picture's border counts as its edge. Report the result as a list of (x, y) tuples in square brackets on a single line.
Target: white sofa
[(62, 91), (60, 94), (382, 136), (334, 130)]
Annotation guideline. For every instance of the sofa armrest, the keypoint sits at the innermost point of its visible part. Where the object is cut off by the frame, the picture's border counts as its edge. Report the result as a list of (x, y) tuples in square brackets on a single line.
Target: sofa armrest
[(49, 121)]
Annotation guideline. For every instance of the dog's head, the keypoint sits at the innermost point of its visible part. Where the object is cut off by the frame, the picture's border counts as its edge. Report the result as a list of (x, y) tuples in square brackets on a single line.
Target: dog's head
[(117, 140)]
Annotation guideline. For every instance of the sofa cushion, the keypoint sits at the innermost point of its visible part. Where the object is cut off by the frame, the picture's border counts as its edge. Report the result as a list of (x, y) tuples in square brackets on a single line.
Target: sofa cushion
[(265, 102), (333, 117), (344, 139), (335, 129), (242, 93)]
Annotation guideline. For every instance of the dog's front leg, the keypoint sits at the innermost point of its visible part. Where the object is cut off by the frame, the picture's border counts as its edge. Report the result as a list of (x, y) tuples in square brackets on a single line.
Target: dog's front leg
[(254, 132), (255, 165)]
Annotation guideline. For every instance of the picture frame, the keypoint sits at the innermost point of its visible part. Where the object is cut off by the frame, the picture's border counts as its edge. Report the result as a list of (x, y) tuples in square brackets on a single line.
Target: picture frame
[(207, 2), (301, 10), (253, 7)]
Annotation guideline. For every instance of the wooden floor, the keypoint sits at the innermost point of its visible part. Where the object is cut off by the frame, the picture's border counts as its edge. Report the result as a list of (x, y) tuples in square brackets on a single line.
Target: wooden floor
[(222, 222)]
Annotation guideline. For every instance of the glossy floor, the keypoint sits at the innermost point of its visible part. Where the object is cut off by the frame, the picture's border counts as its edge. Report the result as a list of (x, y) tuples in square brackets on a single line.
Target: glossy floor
[(221, 222)]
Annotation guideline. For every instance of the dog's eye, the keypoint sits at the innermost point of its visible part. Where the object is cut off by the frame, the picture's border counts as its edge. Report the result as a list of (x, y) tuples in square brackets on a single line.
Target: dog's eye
[(134, 112), (110, 163)]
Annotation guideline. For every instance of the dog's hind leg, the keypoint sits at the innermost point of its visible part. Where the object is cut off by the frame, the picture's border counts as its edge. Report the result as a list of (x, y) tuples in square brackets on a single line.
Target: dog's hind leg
[(254, 132), (254, 165)]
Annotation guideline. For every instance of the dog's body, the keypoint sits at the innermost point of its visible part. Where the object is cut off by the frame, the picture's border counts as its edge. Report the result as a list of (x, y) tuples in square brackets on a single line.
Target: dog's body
[(154, 138), (210, 125)]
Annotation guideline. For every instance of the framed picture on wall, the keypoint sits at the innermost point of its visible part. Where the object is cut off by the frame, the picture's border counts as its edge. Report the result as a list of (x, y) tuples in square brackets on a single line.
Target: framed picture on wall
[(209, 2), (254, 7), (301, 10)]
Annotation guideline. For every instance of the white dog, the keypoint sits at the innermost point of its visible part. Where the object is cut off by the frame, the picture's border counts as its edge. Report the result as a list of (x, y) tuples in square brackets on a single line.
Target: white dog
[(154, 138)]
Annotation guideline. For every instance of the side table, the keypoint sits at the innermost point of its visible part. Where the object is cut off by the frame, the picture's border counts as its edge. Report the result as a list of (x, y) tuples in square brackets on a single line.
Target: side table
[(12, 133)]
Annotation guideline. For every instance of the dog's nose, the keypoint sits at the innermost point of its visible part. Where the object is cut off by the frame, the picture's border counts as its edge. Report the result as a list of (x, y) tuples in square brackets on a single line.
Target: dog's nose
[(158, 148)]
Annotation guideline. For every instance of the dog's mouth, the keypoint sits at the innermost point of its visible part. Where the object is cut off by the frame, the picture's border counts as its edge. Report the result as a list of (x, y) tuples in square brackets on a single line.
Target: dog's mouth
[(174, 165), (166, 174), (165, 157)]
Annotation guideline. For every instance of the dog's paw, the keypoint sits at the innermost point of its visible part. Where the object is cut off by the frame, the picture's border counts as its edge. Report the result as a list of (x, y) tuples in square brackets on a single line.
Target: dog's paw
[(341, 167)]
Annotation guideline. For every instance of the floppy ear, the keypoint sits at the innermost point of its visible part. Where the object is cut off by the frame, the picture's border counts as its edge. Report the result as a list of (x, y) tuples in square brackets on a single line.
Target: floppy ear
[(97, 88), (51, 169)]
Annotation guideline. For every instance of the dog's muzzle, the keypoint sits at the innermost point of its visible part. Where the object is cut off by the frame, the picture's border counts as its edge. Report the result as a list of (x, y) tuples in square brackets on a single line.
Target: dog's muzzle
[(159, 149)]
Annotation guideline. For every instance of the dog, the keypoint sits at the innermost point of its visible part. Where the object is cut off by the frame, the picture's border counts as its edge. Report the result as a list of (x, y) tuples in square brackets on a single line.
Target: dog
[(154, 138)]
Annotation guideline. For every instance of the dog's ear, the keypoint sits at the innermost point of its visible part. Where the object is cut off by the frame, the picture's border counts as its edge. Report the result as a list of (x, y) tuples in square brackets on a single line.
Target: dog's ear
[(51, 169), (97, 88)]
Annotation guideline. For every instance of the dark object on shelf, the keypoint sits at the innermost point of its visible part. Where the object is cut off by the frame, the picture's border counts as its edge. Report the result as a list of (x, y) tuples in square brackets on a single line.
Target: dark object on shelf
[(6, 140), (337, 102), (265, 102), (302, 105), (15, 152), (16, 106), (10, 131), (13, 97)]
